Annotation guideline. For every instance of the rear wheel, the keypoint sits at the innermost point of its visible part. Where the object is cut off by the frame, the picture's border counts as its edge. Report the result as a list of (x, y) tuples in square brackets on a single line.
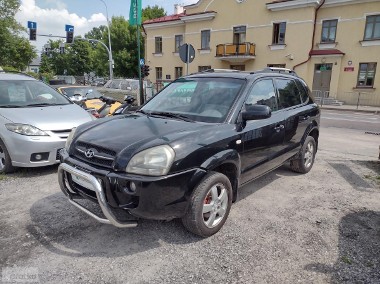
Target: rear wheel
[(210, 205), (305, 159), (5, 160)]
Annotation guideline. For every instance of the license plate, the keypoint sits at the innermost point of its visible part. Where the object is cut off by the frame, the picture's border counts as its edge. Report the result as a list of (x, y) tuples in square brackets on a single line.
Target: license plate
[(81, 181)]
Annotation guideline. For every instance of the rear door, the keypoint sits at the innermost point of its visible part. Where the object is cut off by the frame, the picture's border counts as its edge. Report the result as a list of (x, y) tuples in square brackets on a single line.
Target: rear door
[(296, 114), (262, 139)]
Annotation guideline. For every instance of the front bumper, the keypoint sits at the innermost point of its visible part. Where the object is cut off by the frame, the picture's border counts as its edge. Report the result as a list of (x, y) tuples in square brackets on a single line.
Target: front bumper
[(97, 187), (157, 198), (21, 148)]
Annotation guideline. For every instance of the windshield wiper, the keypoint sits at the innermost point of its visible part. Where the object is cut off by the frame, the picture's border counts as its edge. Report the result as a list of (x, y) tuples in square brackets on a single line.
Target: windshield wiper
[(143, 112), (10, 106), (171, 115), (43, 104)]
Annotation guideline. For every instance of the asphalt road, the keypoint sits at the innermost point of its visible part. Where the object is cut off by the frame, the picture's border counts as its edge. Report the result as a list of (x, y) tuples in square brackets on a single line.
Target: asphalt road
[(351, 120)]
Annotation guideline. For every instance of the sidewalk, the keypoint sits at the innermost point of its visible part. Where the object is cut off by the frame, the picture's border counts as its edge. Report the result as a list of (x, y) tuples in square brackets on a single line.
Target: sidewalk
[(368, 109)]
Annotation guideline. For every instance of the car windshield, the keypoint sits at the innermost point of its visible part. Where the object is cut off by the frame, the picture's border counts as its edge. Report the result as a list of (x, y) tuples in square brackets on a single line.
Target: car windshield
[(91, 93), (197, 99), (28, 93)]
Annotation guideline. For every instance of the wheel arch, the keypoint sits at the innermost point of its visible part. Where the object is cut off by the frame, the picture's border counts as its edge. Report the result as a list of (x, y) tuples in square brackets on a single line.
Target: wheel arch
[(228, 163)]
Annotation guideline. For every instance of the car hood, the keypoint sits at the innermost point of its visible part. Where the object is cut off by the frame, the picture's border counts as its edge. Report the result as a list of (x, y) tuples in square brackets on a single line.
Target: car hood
[(130, 134), (48, 118)]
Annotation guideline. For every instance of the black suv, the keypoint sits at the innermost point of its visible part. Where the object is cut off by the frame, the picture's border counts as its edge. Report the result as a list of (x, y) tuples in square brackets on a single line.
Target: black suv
[(187, 151)]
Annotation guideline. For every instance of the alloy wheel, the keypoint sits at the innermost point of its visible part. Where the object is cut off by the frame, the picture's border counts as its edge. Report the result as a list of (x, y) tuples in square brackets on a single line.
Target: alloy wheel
[(309, 155), (215, 205)]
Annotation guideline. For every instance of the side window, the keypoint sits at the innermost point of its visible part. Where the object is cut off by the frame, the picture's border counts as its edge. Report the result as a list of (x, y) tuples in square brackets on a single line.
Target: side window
[(263, 93), (288, 93), (303, 91)]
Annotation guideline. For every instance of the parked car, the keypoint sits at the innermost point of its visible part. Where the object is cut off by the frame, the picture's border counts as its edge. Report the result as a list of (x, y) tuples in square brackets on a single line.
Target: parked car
[(187, 151), (35, 121)]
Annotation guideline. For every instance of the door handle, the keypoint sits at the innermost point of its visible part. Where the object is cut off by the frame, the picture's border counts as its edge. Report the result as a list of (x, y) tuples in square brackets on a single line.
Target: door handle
[(278, 128)]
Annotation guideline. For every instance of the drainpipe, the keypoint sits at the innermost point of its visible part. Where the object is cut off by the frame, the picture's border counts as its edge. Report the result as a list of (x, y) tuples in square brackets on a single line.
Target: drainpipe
[(312, 40)]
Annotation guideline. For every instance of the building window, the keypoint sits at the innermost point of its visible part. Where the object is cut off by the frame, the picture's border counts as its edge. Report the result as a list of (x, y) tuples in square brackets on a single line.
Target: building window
[(239, 34), (277, 65), (178, 72), (279, 33), (158, 44), (329, 31), (372, 28), (178, 42), (158, 73), (203, 68), (366, 75), (205, 39)]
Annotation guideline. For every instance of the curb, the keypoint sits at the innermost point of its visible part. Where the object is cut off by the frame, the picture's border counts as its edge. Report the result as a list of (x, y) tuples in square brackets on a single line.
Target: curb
[(351, 110)]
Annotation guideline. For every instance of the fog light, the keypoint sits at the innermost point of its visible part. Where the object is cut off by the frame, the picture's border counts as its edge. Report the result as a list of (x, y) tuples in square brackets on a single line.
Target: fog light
[(133, 186), (38, 157), (130, 188)]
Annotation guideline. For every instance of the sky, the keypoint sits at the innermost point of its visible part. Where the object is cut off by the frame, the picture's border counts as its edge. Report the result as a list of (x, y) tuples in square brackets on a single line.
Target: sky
[(51, 16)]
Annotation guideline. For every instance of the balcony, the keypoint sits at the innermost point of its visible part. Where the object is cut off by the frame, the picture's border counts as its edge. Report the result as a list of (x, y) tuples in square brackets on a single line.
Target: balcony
[(236, 53)]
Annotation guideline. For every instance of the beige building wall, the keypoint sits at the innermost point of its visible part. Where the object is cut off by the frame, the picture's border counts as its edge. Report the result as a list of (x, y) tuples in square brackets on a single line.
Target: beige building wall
[(258, 19)]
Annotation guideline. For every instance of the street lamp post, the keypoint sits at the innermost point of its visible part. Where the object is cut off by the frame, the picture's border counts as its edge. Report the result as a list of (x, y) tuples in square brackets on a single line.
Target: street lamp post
[(109, 43)]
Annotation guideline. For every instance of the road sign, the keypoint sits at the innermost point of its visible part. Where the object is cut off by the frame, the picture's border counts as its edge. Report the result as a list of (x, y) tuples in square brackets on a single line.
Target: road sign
[(187, 53), (32, 25), (69, 28), (142, 62)]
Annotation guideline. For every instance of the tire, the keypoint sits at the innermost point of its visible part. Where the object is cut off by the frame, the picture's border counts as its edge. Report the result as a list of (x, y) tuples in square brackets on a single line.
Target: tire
[(305, 158), (210, 205), (5, 160)]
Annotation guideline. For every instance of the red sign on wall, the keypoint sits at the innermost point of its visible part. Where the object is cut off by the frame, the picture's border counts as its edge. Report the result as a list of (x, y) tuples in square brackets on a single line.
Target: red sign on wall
[(348, 69)]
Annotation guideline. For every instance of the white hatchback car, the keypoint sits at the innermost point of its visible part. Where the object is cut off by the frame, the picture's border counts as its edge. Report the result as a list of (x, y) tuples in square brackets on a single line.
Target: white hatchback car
[(35, 121)]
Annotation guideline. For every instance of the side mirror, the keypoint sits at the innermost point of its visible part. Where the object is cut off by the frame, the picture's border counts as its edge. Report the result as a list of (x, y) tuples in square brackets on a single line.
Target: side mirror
[(256, 112)]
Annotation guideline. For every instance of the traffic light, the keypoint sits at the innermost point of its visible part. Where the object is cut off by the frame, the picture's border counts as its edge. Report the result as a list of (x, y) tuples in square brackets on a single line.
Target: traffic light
[(69, 37), (32, 34), (145, 70)]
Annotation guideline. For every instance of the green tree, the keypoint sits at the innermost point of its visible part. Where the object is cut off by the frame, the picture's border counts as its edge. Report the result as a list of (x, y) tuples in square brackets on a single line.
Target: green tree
[(15, 50), (124, 45), (154, 12), (98, 53), (97, 33)]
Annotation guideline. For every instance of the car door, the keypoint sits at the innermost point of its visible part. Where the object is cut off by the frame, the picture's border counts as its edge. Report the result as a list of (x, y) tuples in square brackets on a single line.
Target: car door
[(262, 139), (296, 114)]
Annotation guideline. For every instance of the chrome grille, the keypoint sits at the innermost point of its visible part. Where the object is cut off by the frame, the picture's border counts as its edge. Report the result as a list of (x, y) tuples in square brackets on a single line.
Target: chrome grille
[(100, 156)]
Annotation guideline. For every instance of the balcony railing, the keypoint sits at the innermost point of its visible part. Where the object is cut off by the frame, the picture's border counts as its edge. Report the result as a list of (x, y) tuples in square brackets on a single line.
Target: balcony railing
[(246, 49)]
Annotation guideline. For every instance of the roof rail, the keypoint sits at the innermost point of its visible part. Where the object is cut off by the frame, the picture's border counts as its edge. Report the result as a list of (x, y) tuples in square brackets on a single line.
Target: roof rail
[(219, 70), (277, 70)]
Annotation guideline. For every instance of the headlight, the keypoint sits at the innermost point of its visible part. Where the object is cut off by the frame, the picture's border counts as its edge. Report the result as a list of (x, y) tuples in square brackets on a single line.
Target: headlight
[(25, 129), (155, 161), (70, 138)]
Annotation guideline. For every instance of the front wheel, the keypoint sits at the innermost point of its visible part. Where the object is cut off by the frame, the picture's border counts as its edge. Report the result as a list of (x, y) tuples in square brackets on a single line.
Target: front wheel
[(210, 205), (305, 159), (5, 160)]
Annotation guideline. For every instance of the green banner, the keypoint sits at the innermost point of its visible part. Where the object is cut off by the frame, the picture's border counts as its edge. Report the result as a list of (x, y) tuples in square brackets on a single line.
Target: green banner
[(135, 13)]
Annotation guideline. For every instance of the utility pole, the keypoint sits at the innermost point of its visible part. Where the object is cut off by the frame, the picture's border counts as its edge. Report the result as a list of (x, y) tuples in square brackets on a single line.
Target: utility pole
[(138, 61), (109, 44)]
